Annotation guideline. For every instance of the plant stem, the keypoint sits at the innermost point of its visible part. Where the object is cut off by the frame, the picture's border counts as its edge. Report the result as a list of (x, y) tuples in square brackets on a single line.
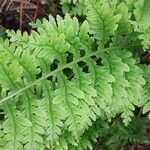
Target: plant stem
[(52, 73)]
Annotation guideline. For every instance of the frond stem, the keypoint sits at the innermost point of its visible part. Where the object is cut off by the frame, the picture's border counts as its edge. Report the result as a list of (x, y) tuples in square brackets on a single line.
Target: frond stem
[(54, 72)]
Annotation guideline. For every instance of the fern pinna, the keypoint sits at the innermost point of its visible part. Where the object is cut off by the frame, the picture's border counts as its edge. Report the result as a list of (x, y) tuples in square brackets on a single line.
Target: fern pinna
[(58, 81)]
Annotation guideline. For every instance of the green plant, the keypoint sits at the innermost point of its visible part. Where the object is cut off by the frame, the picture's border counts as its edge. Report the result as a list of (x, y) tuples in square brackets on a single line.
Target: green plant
[(117, 135), (64, 82), (75, 7)]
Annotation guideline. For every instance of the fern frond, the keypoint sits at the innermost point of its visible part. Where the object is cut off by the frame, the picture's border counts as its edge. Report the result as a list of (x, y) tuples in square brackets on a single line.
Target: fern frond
[(124, 25), (33, 111), (119, 93), (124, 30), (130, 4), (115, 84), (136, 83), (79, 8), (79, 114), (75, 116), (13, 125), (102, 19), (145, 37), (27, 59), (54, 118), (58, 108), (142, 14), (99, 128), (87, 139), (142, 24), (9, 78), (120, 133), (145, 99), (75, 7), (2, 141), (29, 74)]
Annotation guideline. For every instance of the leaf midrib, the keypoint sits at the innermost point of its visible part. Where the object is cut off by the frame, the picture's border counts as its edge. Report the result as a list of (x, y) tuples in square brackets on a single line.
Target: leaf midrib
[(52, 73)]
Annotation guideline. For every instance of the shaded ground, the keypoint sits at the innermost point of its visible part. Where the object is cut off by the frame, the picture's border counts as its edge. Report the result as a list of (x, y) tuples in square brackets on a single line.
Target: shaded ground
[(16, 14)]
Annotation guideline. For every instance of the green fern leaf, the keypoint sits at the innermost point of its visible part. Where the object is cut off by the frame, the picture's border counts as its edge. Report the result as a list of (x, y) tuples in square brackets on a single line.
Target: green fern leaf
[(134, 90), (33, 111), (75, 7), (57, 82), (143, 21), (70, 101), (102, 20), (142, 13), (145, 37), (13, 126), (56, 114), (2, 142), (145, 99)]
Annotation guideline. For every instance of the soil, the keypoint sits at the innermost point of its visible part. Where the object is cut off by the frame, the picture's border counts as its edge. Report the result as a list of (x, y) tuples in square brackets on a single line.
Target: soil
[(16, 14), (140, 147)]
